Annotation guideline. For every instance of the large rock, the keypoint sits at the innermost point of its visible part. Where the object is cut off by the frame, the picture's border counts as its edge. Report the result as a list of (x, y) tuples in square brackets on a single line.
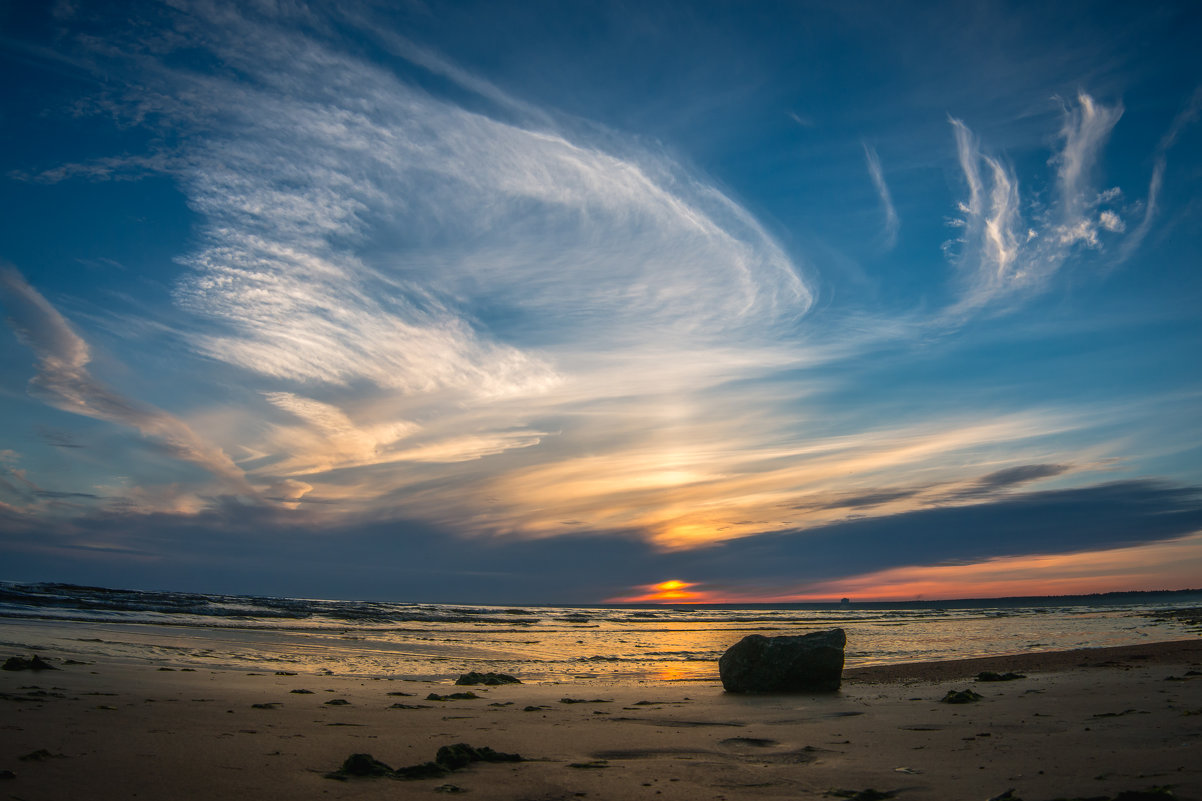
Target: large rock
[(805, 663)]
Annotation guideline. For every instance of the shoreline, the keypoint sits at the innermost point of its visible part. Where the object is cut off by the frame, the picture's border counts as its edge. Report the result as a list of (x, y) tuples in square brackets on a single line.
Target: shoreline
[(1161, 652), (612, 655), (1089, 723)]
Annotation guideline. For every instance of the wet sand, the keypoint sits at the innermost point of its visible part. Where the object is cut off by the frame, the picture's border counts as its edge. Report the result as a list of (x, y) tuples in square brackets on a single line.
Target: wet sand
[(1082, 724)]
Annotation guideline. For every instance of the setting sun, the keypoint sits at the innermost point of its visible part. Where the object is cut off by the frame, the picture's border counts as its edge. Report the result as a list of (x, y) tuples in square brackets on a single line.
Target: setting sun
[(671, 591)]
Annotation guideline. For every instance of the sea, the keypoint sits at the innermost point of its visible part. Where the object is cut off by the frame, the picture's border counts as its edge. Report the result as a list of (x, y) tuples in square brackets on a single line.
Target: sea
[(540, 643)]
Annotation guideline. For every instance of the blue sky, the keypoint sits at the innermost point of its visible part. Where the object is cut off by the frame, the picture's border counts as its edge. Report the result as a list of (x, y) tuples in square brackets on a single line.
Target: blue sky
[(557, 302)]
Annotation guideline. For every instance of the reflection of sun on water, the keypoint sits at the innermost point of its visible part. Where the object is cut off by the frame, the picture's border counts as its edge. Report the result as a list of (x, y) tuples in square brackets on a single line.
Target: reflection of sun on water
[(675, 674)]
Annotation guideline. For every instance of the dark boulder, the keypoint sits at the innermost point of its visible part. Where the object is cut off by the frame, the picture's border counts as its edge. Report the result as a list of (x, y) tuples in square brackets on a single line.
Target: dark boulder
[(804, 663)]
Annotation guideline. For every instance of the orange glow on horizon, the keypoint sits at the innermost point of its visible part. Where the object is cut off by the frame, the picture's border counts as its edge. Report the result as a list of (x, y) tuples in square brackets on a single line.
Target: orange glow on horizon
[(1173, 564), (673, 591)]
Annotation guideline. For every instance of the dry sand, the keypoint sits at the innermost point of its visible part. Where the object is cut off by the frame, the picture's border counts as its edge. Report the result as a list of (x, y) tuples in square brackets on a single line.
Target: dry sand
[(1082, 724)]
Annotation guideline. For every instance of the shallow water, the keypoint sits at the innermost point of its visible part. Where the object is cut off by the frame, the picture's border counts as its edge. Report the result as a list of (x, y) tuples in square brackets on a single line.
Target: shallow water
[(536, 643)]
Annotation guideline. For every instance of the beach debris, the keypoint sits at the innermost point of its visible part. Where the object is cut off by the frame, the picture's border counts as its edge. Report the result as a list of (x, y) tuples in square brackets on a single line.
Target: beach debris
[(461, 754), (284, 673), (267, 705), (337, 702), (449, 758), (586, 700), (301, 692), (1006, 796), (501, 703), (40, 755), (35, 662), (424, 770), (596, 763), (364, 765), (752, 742), (863, 795), (961, 697), (468, 696), (449, 788), (989, 675), (409, 706), (534, 708), (803, 663), (487, 679), (404, 695)]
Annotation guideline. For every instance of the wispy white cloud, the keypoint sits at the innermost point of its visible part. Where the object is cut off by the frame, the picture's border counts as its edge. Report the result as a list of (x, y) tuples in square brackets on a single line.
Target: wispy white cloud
[(379, 233), (803, 121), (467, 314), (63, 381), (1186, 117), (892, 223), (408, 283), (1002, 253), (1087, 126), (108, 168)]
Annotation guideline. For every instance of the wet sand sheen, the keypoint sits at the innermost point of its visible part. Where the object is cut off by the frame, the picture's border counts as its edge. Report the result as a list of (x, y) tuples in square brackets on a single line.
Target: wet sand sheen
[(1082, 724)]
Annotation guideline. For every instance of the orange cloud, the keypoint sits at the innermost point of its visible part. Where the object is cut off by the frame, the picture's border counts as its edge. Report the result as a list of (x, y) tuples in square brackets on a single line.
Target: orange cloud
[(1171, 564), (1163, 565)]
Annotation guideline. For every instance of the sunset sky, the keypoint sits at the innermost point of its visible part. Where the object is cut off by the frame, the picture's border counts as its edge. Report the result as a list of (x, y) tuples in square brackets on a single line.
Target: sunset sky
[(601, 301)]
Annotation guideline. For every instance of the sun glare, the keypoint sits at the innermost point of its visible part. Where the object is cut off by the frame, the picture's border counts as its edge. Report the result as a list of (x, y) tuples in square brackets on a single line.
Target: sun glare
[(672, 591)]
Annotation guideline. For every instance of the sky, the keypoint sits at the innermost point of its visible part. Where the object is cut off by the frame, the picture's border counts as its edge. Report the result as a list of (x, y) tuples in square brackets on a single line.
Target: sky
[(544, 302)]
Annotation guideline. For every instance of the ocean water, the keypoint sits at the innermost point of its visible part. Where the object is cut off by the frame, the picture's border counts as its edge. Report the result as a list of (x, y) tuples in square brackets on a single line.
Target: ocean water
[(536, 643)]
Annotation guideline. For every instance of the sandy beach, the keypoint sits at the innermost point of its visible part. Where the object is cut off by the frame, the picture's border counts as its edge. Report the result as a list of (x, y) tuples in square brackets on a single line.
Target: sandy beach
[(1081, 724)]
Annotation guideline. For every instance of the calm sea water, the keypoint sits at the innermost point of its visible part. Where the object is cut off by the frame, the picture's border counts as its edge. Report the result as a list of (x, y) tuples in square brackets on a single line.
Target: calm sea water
[(536, 643)]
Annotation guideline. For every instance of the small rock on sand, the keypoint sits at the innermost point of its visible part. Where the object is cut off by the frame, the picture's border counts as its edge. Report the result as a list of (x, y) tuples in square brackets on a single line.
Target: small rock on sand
[(487, 679), (989, 675), (468, 696), (449, 758)]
